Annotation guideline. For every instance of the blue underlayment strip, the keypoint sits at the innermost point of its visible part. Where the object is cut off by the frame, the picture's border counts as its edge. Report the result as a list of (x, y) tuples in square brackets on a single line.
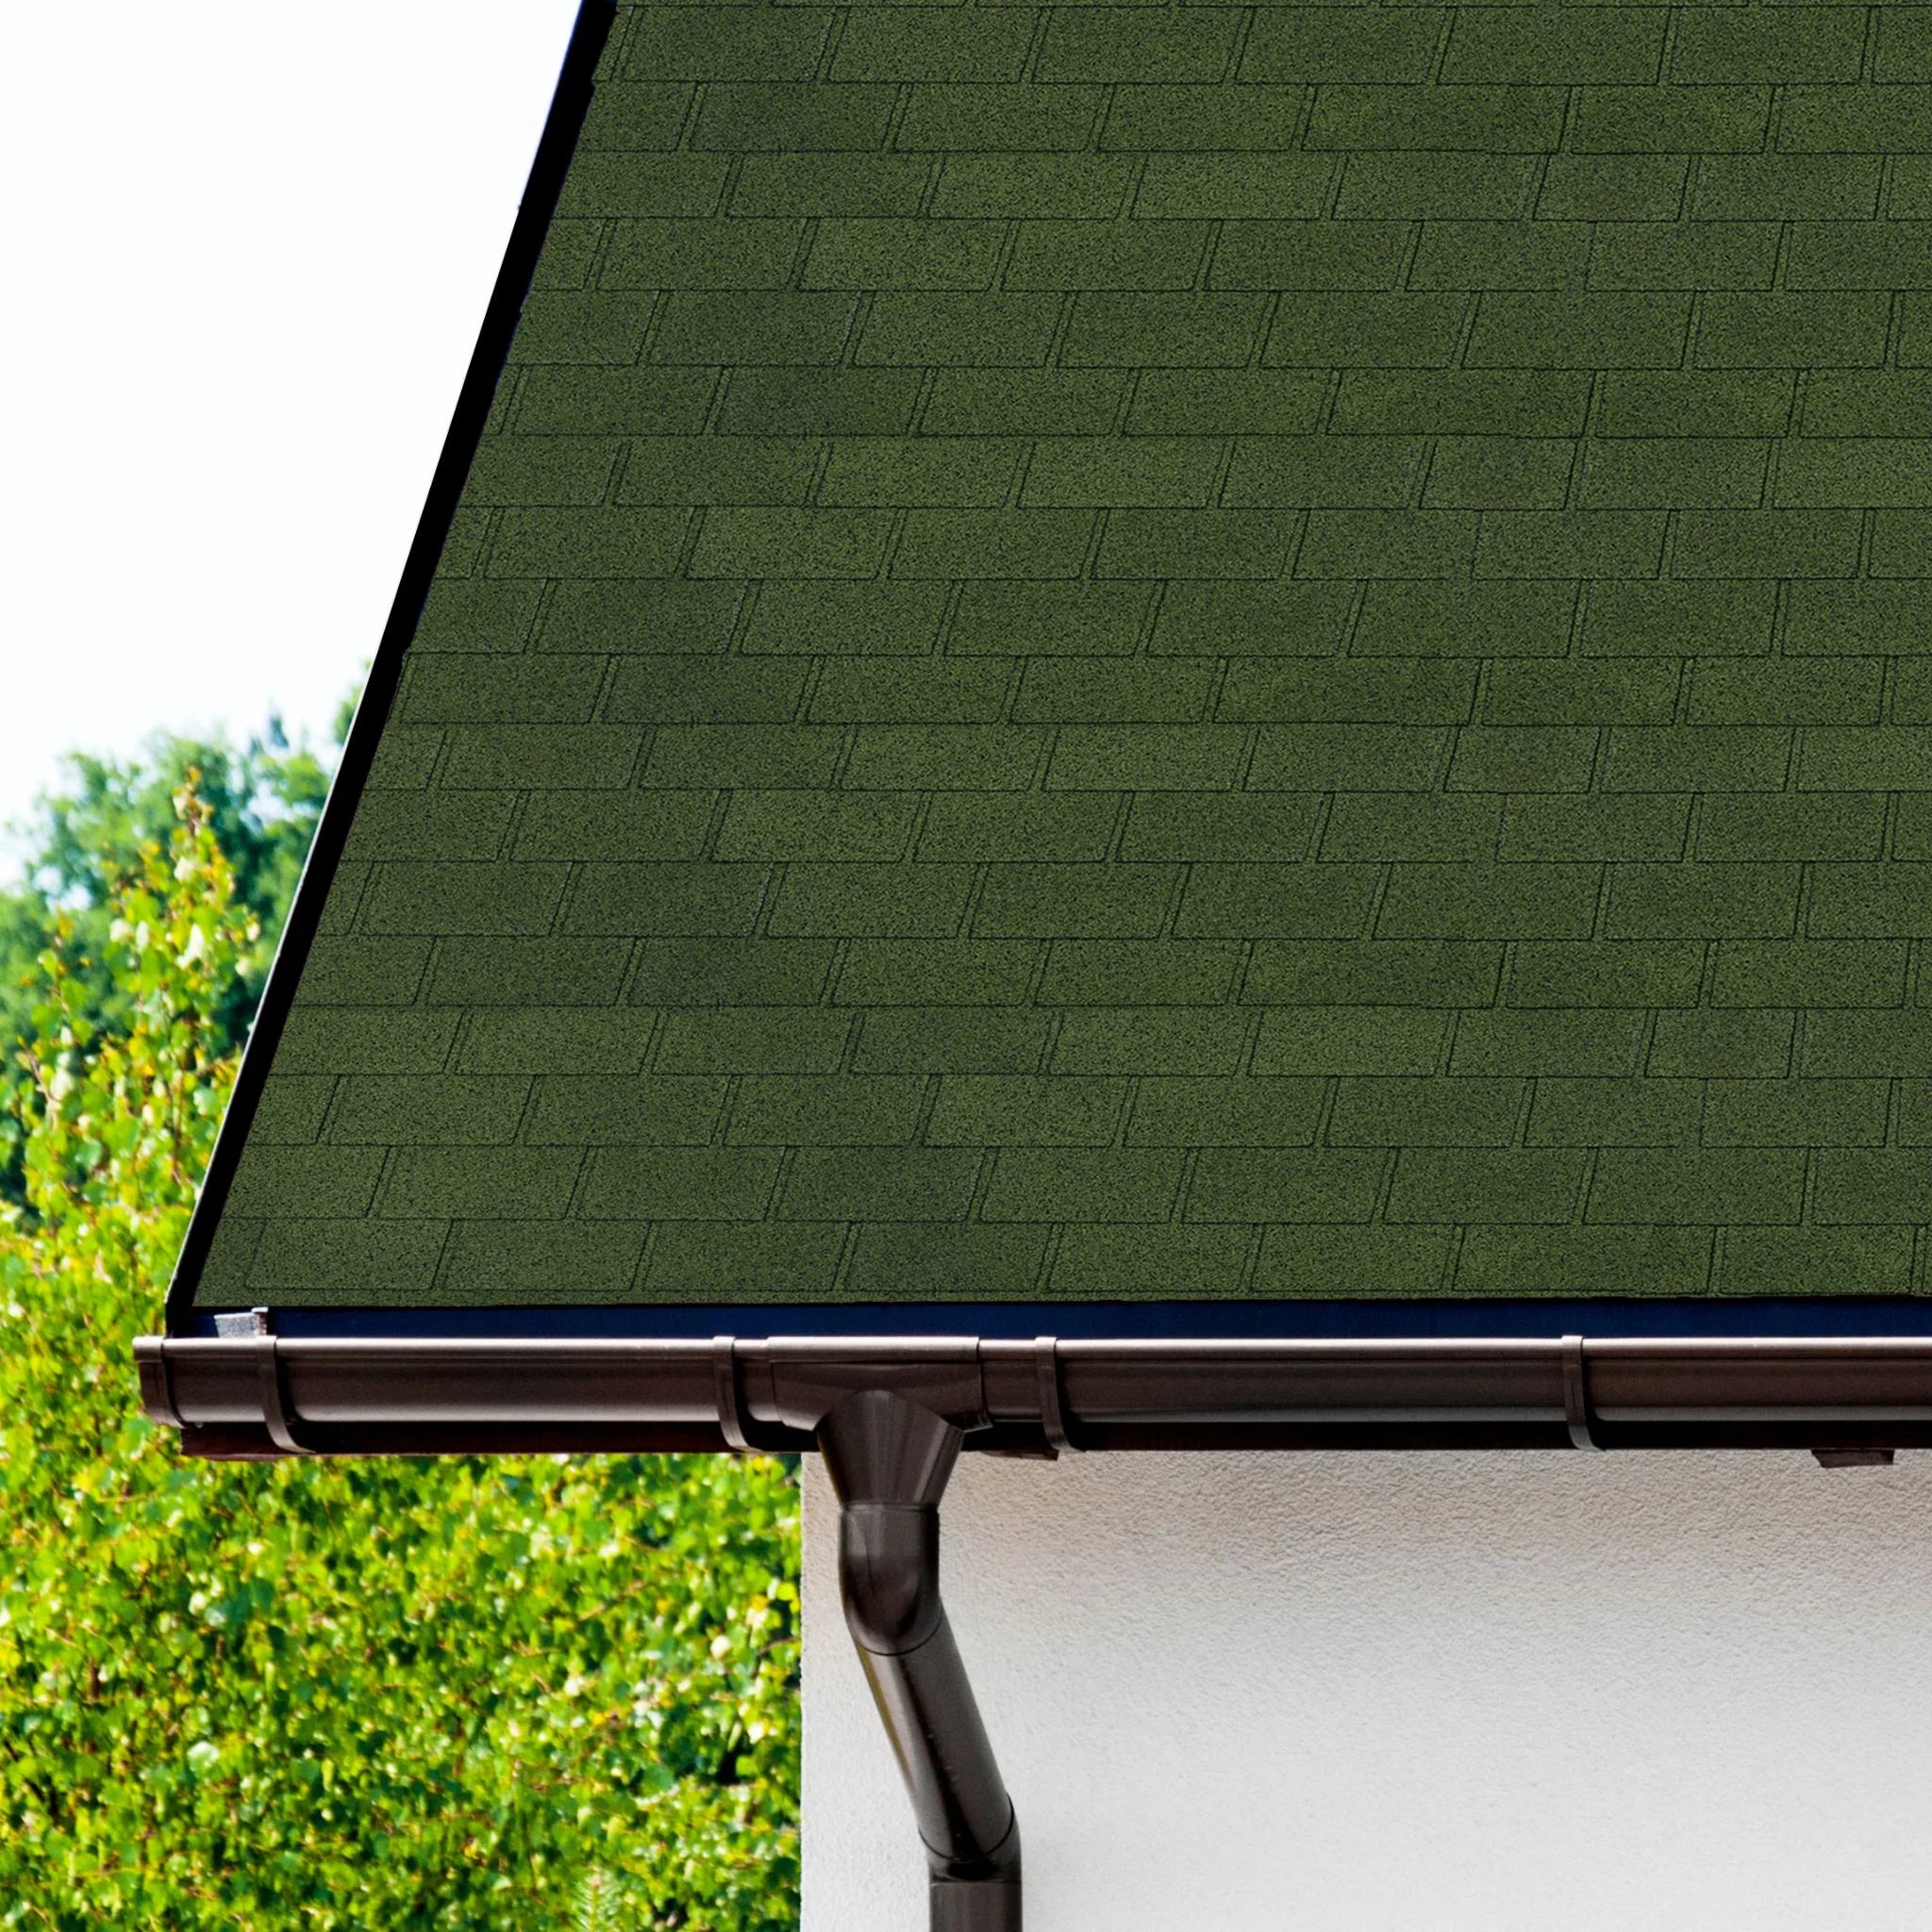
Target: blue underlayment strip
[(1331, 1319)]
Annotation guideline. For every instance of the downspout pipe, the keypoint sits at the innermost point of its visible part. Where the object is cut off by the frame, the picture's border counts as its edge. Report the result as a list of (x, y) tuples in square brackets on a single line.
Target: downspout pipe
[(889, 1460)]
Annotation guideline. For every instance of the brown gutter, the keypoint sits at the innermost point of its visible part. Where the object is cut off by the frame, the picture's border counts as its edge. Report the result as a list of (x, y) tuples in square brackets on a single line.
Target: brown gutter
[(267, 1394)]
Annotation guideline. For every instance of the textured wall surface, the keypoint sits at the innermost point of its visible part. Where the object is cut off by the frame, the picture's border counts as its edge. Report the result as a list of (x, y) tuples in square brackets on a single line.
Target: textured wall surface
[(1170, 650), (1381, 1694)]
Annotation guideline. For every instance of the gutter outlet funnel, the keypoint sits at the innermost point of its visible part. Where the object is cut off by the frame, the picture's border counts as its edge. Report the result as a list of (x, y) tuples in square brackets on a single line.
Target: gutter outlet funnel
[(890, 1460)]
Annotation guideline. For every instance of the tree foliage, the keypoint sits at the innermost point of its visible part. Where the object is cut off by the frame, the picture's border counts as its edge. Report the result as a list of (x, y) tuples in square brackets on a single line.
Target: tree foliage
[(260, 800), (529, 1693)]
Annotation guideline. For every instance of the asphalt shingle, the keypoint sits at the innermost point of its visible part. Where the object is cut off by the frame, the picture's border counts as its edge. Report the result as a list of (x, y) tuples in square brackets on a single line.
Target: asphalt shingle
[(1122, 652)]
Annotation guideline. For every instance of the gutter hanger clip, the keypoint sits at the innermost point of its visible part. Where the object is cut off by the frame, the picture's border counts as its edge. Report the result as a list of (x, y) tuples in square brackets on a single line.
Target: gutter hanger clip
[(1576, 1394), (277, 1411)]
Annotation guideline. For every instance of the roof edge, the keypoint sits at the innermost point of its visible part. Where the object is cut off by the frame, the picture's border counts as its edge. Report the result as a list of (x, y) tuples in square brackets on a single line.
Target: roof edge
[(556, 146)]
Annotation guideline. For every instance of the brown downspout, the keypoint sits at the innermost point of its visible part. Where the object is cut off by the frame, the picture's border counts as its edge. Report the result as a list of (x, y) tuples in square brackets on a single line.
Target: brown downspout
[(889, 1460)]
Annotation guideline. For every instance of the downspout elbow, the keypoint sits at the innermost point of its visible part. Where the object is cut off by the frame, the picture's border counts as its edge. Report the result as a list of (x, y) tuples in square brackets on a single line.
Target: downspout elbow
[(889, 1576), (983, 1897)]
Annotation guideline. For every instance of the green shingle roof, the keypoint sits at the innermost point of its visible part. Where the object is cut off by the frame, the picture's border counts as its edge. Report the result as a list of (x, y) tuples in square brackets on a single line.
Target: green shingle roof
[(1163, 651)]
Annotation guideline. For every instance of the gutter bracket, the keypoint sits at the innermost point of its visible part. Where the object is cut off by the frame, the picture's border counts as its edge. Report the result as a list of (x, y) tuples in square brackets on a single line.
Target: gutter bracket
[(1576, 1394), (744, 1436), (156, 1381), (1052, 1404), (277, 1411), (890, 1460)]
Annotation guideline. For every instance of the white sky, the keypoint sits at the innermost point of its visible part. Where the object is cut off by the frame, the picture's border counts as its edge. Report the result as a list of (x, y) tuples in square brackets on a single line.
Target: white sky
[(247, 252)]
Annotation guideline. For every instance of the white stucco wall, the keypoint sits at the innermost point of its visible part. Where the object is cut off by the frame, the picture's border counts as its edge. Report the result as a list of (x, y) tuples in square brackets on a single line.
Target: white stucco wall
[(1361, 1693)]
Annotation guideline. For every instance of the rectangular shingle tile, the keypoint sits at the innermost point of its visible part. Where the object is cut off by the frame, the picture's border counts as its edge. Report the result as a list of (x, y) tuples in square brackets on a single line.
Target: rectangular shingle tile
[(1421, 1112), (1762, 1185), (1606, 973), (645, 1112), (1258, 1111), (1025, 1111), (1724, 1045), (1840, 825), (1634, 1112), (956, 1040), (918, 972), (1250, 1185), (1809, 973), (1801, 1113), (1854, 619), (1318, 900), (1533, 1043), (1072, 1184), (936, 1260), (1595, 1261), (1851, 1046), (1817, 1260), (703, 1261), (1483, 1185), (727, 972), (1871, 1184), (882, 1184), (1373, 972), (1306, 1259), (1357, 1041), (1100, 1262)]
